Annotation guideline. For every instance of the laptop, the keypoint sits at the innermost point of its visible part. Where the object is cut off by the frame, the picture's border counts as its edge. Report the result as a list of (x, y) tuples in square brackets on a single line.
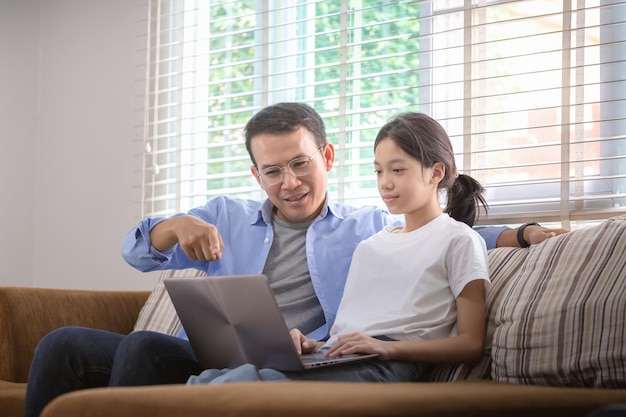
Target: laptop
[(234, 320)]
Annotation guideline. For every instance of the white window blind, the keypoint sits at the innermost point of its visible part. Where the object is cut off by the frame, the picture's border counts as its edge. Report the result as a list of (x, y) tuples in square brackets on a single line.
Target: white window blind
[(532, 93)]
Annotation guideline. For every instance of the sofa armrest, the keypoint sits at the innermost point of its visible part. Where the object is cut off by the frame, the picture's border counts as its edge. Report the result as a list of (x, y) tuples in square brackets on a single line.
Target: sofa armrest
[(28, 314), (312, 398)]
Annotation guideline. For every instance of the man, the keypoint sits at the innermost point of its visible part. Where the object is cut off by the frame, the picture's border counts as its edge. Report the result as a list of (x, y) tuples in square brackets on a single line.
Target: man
[(300, 239)]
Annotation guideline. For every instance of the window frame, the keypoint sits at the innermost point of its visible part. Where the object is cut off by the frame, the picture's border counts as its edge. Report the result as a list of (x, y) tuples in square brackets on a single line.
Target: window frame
[(565, 199)]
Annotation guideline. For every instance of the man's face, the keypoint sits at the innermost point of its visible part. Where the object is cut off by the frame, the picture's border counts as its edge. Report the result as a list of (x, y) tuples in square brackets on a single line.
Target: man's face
[(296, 199)]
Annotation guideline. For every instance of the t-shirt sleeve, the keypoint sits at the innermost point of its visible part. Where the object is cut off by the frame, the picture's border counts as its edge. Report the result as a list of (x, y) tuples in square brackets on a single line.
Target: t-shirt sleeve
[(467, 261)]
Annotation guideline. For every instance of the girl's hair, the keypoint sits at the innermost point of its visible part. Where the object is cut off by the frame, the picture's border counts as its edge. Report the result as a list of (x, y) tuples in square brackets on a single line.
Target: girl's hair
[(423, 138), (282, 118)]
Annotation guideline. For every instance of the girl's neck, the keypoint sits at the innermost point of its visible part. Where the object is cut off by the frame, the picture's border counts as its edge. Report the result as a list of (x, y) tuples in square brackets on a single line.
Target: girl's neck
[(415, 220)]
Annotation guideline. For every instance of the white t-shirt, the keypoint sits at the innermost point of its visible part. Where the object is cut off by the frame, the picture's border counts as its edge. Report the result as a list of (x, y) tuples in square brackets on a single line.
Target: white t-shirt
[(404, 285)]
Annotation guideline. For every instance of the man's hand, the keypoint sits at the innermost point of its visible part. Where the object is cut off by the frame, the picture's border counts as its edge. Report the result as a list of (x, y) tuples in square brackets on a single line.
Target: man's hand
[(533, 234), (536, 234), (199, 240), (303, 344)]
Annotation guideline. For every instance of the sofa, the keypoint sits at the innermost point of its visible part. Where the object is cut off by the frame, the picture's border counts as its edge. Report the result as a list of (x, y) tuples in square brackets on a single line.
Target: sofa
[(555, 346)]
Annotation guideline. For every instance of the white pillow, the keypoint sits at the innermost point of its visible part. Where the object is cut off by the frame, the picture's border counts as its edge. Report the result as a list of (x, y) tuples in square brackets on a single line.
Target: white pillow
[(158, 314)]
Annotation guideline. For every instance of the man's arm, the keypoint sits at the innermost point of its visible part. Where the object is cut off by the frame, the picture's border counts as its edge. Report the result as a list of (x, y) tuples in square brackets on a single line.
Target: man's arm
[(198, 239), (502, 236), (530, 233), (151, 244)]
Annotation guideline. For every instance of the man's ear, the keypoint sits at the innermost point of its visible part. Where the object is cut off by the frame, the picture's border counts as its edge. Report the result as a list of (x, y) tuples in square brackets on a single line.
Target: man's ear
[(255, 174), (329, 155), (438, 172)]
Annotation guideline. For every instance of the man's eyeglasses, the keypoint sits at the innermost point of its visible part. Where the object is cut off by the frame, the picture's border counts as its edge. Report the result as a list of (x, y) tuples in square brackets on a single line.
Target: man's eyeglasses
[(298, 167)]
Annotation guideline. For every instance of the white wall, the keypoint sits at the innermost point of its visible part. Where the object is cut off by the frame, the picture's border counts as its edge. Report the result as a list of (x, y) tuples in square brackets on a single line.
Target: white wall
[(19, 32), (71, 86)]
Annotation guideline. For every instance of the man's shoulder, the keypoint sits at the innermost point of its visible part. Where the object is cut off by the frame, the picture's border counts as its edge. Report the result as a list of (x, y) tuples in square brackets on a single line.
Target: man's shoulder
[(347, 210), (224, 205), (226, 201), (363, 221)]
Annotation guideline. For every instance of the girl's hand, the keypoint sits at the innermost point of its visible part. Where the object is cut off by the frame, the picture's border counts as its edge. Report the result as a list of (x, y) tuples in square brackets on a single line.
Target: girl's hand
[(302, 343), (359, 343)]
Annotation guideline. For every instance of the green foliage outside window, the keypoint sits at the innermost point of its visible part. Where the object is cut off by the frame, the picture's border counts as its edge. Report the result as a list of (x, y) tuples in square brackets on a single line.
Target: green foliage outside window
[(375, 65)]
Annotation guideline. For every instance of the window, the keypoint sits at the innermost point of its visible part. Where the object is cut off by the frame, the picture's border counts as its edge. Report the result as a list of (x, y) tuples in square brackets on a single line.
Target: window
[(532, 94)]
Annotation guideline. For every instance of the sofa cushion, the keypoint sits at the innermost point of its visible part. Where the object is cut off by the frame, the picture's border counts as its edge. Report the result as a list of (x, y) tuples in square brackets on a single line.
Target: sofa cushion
[(12, 396), (562, 320), (158, 314), (504, 265)]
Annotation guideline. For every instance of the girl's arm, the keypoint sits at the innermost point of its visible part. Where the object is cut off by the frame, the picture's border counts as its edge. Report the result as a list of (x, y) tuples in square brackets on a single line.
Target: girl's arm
[(466, 346)]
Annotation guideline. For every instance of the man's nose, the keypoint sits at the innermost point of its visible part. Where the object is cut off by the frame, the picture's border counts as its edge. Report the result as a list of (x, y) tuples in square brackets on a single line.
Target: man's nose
[(289, 179)]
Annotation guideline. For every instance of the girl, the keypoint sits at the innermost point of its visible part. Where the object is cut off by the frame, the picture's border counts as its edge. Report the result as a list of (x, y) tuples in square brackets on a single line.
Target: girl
[(414, 294)]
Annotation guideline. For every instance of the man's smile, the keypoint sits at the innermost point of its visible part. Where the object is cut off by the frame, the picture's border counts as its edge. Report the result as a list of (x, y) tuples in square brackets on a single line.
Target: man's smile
[(295, 198)]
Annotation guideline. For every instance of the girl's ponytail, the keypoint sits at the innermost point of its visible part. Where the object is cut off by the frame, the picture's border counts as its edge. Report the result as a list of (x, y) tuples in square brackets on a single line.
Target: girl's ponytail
[(465, 196)]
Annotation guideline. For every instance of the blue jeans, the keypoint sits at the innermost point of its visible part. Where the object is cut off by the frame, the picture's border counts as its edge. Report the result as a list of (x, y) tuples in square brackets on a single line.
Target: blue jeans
[(73, 358), (368, 371)]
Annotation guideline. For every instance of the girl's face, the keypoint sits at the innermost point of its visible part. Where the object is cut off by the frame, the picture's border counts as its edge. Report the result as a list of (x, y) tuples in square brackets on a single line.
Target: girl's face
[(405, 186)]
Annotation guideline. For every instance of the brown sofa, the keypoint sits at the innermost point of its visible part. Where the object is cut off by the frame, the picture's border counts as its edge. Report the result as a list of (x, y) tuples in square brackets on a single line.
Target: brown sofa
[(556, 346), (27, 314)]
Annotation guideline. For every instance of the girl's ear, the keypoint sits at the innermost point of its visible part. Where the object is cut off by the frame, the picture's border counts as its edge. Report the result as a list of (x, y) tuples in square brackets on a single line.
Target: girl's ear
[(438, 172)]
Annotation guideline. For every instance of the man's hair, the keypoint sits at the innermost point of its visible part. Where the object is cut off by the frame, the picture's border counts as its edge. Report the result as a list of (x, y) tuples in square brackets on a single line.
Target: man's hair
[(285, 117)]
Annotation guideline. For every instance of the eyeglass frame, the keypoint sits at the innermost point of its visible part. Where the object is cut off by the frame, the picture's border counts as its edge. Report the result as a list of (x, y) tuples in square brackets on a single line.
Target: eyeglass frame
[(308, 159)]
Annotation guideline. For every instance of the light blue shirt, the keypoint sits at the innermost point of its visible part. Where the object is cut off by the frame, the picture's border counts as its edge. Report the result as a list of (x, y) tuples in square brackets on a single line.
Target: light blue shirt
[(245, 227)]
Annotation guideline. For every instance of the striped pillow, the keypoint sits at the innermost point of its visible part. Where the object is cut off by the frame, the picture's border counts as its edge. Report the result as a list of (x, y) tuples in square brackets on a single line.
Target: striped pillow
[(562, 321), (158, 314), (504, 264)]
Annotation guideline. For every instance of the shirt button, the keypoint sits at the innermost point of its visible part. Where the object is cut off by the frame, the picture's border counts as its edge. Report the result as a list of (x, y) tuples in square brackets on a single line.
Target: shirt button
[(267, 240)]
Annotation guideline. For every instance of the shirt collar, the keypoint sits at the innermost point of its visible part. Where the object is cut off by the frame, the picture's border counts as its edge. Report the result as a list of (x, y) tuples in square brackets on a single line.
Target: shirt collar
[(265, 211), (331, 208)]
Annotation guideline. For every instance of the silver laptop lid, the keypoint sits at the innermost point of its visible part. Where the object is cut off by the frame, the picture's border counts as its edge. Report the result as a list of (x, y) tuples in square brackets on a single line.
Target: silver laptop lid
[(232, 320)]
